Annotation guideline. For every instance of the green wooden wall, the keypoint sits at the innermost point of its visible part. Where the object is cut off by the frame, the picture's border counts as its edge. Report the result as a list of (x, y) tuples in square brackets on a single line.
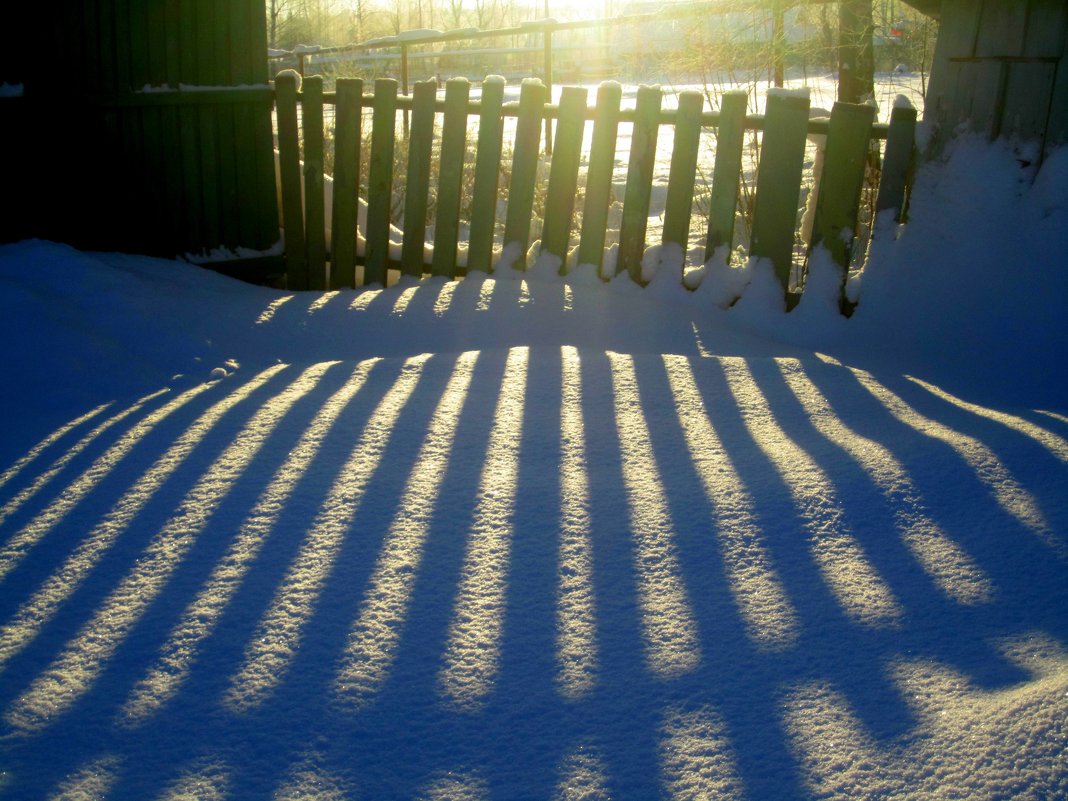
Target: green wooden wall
[(1002, 65), (110, 165)]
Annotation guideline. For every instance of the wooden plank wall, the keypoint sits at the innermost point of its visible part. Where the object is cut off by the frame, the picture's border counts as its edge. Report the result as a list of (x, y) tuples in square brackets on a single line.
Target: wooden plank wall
[(162, 173), (1002, 66)]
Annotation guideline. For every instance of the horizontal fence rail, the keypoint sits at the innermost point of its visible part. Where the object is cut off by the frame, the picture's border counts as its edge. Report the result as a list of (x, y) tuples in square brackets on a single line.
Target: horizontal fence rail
[(436, 132)]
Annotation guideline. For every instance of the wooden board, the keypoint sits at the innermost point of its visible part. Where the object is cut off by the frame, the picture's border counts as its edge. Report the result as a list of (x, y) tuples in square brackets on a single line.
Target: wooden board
[(525, 160), (314, 213), (450, 177), (380, 181), (599, 175), (730, 138), (638, 194), (683, 172), (782, 153), (563, 173), (417, 183), (487, 175), (347, 119)]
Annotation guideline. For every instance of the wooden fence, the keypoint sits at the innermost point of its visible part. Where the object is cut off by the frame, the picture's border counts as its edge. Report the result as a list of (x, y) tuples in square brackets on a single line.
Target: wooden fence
[(852, 136)]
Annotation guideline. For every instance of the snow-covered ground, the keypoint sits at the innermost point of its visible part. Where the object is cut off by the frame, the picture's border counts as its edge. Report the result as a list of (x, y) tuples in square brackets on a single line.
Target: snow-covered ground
[(520, 537)]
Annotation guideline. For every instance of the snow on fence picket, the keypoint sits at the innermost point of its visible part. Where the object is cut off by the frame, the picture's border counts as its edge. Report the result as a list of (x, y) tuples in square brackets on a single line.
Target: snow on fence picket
[(325, 247)]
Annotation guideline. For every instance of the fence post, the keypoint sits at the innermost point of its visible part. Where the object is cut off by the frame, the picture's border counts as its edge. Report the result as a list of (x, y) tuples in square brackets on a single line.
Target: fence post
[(347, 124), (848, 141), (450, 176), (679, 202), (563, 174), (487, 172), (897, 160), (525, 161), (639, 182), (285, 85), (599, 175), (782, 154), (420, 144), (730, 137), (314, 216), (380, 181)]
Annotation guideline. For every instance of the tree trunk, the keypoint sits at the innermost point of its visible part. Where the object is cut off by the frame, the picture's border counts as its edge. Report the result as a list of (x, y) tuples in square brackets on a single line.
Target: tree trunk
[(856, 59)]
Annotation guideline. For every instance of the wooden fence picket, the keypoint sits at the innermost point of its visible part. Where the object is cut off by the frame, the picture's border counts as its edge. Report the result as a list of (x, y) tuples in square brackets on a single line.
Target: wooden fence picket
[(897, 161), (682, 176), (848, 145), (380, 181), (450, 177), (638, 194), (417, 182), (285, 87), (525, 160), (782, 153), (314, 213), (599, 175), (347, 128), (487, 174), (723, 202), (563, 173)]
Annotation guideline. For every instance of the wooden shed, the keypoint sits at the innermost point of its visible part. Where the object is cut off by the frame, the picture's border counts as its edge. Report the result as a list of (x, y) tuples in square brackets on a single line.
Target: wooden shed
[(139, 125), (1001, 66)]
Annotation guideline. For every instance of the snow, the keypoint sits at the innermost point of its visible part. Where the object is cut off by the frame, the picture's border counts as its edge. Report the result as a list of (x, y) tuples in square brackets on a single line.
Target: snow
[(543, 536)]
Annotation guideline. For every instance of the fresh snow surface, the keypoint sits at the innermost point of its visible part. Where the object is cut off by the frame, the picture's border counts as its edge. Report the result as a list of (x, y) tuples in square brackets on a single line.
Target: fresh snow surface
[(535, 537)]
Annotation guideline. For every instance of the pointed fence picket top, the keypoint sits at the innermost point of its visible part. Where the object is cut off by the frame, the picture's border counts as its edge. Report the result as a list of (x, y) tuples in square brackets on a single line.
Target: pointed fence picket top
[(850, 136)]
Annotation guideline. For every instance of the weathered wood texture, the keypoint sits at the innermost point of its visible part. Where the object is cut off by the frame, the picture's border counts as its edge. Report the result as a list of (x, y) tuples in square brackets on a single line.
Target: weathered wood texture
[(185, 172), (1001, 66), (850, 136)]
